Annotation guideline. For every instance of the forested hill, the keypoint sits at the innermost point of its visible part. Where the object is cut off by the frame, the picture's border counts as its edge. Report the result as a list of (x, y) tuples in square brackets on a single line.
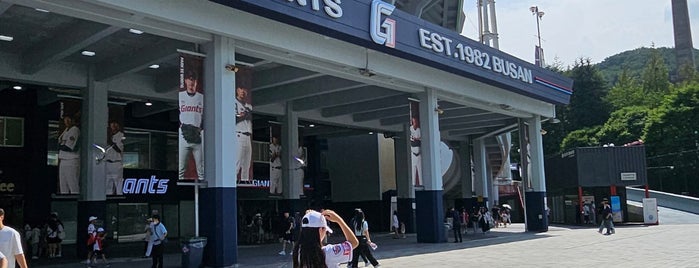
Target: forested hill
[(635, 61)]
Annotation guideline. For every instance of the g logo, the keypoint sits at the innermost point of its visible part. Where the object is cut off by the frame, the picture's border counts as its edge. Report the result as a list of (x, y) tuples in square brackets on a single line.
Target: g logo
[(382, 32)]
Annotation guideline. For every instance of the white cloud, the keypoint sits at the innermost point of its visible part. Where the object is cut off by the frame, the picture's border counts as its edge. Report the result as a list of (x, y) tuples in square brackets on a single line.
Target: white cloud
[(572, 29)]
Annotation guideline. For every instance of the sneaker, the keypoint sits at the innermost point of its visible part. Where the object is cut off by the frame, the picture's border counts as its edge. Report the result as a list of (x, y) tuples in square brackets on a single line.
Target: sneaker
[(366, 264), (283, 253)]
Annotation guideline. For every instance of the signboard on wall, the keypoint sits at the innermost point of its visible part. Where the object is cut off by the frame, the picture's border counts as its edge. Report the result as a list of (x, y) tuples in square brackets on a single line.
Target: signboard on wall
[(380, 26)]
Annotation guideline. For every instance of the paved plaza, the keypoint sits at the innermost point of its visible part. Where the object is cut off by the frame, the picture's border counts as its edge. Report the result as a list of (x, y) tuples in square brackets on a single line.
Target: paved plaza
[(668, 245)]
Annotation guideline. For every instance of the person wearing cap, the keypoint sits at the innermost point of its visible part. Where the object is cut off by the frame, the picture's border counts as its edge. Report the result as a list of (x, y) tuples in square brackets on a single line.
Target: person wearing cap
[(98, 248), (11, 244), (606, 218), (309, 251), (91, 234)]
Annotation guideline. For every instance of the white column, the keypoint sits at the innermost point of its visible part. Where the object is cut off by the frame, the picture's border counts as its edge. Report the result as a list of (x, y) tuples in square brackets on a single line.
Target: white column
[(480, 168), (538, 179), (93, 130), (430, 139), (293, 187), (219, 114)]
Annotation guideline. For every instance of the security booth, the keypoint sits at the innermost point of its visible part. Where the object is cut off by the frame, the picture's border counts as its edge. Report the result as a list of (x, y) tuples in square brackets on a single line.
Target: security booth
[(579, 179)]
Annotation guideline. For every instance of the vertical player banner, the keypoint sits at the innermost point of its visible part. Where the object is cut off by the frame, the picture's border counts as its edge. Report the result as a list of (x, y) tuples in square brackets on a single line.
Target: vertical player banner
[(275, 159), (415, 143), (191, 106), (114, 152), (243, 126), (69, 147)]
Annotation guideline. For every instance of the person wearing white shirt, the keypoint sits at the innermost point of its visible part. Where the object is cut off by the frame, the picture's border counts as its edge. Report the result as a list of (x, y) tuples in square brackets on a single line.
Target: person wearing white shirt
[(11, 244)]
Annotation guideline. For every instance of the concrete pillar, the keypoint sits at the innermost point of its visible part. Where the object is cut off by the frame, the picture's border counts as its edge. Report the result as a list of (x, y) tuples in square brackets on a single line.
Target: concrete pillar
[(480, 171), (405, 189), (429, 203), (535, 194), (291, 177), (218, 201), (467, 196), (93, 130)]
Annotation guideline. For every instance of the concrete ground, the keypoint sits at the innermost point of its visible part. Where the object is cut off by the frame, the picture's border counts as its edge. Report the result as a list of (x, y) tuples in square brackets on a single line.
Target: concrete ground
[(666, 245)]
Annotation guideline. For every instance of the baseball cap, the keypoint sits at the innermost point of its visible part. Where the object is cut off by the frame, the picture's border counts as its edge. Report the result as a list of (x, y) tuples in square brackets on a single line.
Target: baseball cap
[(315, 219), (100, 230), (92, 218)]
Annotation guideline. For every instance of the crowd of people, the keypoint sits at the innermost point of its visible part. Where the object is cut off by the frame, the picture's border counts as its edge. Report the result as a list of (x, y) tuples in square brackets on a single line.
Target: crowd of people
[(44, 240)]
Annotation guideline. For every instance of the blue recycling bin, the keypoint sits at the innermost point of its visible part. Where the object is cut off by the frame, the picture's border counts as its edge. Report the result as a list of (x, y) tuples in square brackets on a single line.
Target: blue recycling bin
[(193, 252)]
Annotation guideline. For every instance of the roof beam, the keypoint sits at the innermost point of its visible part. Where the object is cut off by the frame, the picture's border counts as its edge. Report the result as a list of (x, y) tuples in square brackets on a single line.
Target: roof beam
[(4, 7), (343, 97), (64, 44), (389, 121), (373, 115), (475, 125), (467, 111), (469, 131), (325, 84), (159, 52), (279, 76), (140, 111), (472, 119), (382, 103)]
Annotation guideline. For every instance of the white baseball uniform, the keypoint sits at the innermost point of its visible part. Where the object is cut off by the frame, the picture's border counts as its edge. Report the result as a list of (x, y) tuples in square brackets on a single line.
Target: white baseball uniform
[(415, 155), (69, 162), (298, 169), (243, 131), (191, 111), (275, 169), (114, 167)]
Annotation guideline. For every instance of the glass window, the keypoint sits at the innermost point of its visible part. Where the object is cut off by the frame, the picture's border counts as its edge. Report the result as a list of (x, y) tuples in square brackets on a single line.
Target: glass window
[(137, 149), (11, 132), (143, 149), (132, 221), (52, 159)]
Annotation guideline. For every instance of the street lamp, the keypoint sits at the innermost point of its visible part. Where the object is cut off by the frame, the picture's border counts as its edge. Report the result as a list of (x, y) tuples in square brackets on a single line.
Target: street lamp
[(540, 55)]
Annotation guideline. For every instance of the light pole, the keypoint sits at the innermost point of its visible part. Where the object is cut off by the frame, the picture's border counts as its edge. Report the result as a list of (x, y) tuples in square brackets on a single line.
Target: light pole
[(540, 52)]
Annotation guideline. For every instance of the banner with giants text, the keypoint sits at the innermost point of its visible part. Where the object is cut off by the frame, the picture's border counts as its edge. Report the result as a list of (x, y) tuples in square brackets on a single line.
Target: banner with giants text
[(191, 106)]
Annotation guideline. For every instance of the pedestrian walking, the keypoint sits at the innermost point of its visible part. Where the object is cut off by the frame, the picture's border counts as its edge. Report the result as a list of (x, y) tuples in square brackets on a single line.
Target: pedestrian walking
[(11, 244), (607, 221), (287, 228), (456, 225), (395, 225), (361, 229), (158, 235)]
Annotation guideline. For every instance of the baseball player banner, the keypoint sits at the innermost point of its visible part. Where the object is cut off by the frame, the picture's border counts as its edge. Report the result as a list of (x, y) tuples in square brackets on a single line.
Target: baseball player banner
[(191, 105), (69, 147), (415, 145), (114, 152), (275, 160), (243, 126)]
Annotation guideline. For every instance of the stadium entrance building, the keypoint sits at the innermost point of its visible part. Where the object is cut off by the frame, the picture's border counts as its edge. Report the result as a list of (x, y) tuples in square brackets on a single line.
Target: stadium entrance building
[(121, 109)]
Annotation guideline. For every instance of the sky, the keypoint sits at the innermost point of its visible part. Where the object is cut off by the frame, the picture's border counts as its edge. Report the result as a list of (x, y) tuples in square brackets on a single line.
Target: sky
[(573, 29)]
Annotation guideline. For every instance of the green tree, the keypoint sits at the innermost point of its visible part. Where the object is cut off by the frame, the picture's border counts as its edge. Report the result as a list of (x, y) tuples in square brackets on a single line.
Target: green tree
[(581, 138), (624, 125), (626, 92), (671, 136), (655, 79), (587, 107)]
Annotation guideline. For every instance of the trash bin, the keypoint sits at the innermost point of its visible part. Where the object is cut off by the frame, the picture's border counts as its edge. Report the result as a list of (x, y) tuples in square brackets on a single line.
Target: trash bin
[(193, 252)]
